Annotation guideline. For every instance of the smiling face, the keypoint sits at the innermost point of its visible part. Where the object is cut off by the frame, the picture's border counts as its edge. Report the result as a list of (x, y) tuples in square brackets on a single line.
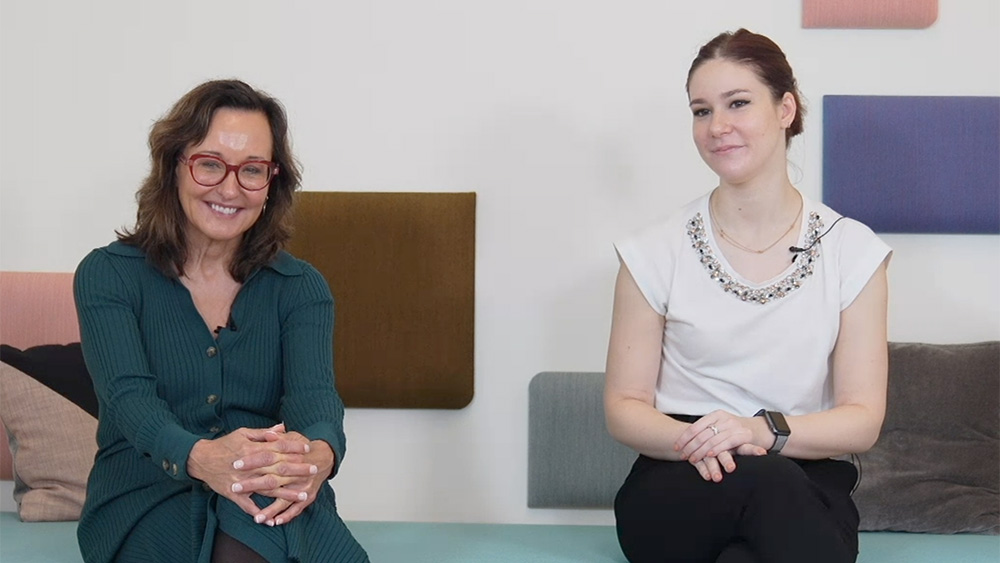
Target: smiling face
[(738, 126), (222, 213)]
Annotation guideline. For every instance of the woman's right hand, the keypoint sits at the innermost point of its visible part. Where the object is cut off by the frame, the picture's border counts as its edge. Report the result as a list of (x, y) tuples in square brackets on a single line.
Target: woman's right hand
[(211, 461)]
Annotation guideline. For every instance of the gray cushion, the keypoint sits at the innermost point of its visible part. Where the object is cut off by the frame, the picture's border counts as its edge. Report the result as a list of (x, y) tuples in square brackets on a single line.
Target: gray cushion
[(572, 460), (936, 467)]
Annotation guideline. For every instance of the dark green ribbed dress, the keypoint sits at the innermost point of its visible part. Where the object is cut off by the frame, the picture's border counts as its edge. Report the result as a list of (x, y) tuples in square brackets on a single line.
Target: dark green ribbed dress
[(164, 382)]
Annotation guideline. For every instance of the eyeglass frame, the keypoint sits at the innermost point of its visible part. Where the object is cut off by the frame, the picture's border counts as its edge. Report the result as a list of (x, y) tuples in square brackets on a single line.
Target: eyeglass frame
[(274, 167)]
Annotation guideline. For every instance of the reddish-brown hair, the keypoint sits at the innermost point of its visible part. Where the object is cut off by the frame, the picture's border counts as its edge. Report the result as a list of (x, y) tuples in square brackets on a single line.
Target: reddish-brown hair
[(767, 61), (160, 220)]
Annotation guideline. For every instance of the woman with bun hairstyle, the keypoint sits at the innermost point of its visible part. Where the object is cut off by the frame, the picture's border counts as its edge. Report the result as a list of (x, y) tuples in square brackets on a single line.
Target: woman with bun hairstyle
[(748, 342)]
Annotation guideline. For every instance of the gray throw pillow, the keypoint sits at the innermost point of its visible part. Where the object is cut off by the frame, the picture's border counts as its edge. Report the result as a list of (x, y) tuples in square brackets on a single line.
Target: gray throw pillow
[(936, 466)]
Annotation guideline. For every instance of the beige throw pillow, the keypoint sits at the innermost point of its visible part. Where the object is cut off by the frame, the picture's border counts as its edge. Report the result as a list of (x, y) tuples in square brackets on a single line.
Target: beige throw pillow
[(53, 443)]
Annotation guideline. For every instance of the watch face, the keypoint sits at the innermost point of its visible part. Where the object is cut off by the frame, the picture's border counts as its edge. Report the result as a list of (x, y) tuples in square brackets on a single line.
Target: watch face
[(777, 422)]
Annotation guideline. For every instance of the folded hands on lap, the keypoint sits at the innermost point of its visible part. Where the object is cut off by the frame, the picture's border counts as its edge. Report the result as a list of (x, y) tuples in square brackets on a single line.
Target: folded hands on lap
[(271, 462), (712, 443)]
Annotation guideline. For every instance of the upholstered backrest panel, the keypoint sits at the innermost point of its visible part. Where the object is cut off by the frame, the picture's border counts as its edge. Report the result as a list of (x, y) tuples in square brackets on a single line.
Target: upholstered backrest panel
[(35, 308), (572, 460), (934, 469)]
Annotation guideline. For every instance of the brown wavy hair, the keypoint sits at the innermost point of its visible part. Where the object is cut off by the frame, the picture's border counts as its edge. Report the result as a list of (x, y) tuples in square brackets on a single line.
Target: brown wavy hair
[(160, 219), (767, 61)]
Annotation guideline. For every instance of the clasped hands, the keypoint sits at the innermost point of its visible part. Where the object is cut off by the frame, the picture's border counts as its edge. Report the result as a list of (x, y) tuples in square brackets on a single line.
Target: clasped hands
[(271, 462), (712, 443)]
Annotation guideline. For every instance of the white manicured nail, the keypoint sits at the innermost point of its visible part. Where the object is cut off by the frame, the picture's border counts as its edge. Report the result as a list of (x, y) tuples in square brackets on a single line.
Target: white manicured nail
[(238, 464), (237, 488)]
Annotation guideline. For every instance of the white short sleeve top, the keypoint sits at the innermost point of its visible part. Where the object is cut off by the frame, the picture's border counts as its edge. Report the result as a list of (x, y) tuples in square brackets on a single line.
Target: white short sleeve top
[(732, 344)]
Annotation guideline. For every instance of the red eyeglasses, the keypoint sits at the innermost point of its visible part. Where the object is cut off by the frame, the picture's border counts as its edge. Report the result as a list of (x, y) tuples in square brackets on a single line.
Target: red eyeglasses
[(209, 170)]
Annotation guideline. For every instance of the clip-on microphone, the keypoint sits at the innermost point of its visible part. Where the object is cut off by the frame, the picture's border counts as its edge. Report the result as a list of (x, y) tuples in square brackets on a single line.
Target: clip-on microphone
[(795, 250)]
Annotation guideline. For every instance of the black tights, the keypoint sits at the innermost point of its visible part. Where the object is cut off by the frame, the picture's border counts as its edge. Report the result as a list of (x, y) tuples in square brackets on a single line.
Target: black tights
[(772, 509), (228, 549)]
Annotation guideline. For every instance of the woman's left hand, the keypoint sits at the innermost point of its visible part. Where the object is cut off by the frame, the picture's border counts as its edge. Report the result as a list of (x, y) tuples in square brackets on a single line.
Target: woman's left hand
[(714, 434), (292, 480), (713, 468)]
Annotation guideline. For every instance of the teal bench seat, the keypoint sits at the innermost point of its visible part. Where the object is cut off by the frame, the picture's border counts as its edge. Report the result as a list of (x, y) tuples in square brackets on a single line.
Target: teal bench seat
[(411, 542)]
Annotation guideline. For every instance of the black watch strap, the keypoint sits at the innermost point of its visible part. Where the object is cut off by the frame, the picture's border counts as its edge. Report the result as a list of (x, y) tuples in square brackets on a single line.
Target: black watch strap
[(778, 426)]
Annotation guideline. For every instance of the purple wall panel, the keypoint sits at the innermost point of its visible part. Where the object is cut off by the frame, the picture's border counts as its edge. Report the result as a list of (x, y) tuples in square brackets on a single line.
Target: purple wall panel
[(914, 164)]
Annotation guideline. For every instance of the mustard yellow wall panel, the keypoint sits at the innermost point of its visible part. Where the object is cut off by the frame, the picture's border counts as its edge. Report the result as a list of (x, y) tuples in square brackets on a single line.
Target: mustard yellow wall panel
[(402, 270)]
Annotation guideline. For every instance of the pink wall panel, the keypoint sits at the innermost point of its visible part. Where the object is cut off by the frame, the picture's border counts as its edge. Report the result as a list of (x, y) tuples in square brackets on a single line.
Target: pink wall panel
[(37, 308), (869, 14)]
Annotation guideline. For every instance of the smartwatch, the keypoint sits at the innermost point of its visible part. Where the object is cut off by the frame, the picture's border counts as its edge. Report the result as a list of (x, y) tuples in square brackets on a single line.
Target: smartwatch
[(779, 427)]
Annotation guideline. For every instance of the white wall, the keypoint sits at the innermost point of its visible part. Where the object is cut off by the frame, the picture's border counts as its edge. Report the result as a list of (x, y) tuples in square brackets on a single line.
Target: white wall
[(567, 117)]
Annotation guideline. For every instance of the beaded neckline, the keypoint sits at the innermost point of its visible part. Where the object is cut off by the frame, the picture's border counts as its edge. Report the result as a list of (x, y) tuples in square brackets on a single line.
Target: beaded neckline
[(762, 295)]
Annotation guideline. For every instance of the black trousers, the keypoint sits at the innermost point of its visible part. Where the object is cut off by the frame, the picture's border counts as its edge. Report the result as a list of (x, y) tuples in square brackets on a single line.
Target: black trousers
[(772, 509)]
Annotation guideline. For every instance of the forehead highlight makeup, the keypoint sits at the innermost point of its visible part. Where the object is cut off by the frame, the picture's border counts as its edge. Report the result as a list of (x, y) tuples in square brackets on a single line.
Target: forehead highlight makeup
[(235, 141)]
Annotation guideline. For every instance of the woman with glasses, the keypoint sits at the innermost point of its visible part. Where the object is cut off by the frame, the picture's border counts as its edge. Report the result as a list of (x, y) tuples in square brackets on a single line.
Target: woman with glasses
[(209, 347)]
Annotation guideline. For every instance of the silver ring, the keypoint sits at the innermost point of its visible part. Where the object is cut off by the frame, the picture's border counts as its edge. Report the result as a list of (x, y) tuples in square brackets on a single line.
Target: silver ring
[(715, 430)]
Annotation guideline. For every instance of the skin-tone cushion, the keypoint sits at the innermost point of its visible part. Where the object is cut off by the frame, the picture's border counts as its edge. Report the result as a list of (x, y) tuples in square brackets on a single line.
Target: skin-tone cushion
[(53, 443), (6, 460)]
